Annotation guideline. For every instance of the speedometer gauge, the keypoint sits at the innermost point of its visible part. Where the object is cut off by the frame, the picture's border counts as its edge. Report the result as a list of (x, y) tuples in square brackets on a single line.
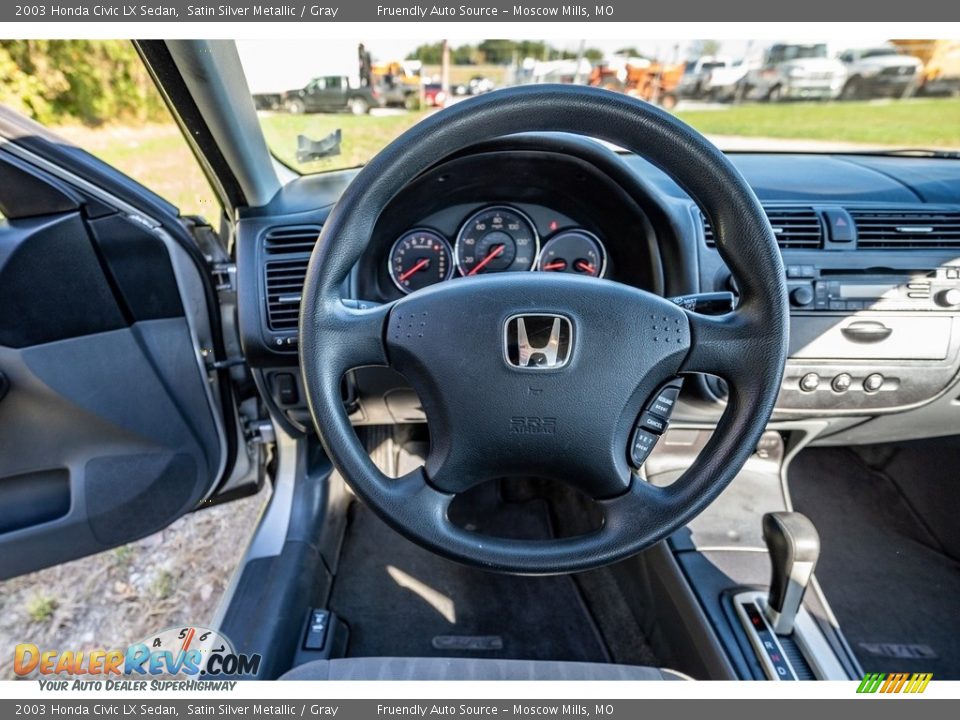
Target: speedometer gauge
[(496, 239), (420, 258), (574, 251)]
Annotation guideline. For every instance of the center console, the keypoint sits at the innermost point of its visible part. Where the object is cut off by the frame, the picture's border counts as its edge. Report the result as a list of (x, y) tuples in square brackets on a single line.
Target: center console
[(874, 307)]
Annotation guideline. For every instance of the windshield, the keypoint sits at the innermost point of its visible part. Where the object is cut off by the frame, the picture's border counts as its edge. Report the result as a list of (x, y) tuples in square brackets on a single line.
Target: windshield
[(334, 105)]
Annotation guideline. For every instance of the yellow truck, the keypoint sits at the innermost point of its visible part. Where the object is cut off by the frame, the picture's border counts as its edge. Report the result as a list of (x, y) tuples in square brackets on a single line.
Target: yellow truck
[(941, 64)]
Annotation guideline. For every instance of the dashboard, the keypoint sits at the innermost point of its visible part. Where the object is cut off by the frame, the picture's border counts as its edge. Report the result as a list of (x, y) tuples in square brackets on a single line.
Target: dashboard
[(870, 245)]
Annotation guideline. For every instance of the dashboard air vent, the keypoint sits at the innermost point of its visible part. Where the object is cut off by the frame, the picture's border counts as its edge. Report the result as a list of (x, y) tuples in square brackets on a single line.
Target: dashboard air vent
[(795, 227), (284, 281), (907, 228), (289, 240)]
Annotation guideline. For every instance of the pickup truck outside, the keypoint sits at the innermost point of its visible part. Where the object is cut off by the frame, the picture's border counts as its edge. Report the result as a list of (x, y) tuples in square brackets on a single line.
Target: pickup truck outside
[(882, 71), (795, 72), (332, 93)]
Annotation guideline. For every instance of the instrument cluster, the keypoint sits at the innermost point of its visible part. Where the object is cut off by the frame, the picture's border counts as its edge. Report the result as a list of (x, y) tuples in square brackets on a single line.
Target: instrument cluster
[(496, 238)]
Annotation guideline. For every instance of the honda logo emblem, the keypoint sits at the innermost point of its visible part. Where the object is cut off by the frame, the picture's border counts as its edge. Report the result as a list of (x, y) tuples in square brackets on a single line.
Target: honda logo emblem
[(537, 342)]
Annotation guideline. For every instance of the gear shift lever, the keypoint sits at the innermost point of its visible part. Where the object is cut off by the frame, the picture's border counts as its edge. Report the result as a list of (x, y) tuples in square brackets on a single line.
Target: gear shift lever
[(794, 547)]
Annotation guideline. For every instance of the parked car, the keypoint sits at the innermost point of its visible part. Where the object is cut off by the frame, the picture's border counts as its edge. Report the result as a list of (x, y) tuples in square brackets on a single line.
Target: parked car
[(693, 84), (883, 71), (795, 72), (332, 93), (722, 83), (434, 95), (477, 85)]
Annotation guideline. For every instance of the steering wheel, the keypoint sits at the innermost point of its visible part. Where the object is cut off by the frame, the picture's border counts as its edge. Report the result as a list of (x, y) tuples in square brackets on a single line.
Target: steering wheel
[(568, 411)]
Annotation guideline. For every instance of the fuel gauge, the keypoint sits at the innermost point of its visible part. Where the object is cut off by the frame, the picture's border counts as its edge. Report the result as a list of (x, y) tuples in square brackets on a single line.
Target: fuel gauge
[(574, 251)]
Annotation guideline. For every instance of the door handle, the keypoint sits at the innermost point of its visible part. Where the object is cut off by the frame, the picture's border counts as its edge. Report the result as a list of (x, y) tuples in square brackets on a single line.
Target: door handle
[(866, 331)]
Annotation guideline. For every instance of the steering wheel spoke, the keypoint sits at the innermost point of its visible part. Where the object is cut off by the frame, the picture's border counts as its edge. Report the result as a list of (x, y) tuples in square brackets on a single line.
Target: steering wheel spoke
[(352, 335), (727, 346)]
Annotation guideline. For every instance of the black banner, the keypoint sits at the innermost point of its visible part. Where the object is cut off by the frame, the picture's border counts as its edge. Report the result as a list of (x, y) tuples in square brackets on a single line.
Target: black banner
[(538, 11)]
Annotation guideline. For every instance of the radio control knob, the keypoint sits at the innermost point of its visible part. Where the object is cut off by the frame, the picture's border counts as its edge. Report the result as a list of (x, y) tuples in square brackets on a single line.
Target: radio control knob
[(949, 298), (801, 296)]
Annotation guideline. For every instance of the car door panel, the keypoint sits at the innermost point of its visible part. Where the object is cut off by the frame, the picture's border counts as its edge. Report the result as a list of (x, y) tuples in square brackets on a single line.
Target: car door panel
[(108, 427)]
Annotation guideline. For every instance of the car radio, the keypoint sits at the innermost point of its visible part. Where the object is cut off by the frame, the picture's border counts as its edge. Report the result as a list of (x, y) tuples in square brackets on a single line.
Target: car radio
[(930, 291)]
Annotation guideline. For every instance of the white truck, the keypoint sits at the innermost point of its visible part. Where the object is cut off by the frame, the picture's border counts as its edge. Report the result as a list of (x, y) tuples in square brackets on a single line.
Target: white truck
[(721, 84), (882, 71), (794, 71), (693, 84)]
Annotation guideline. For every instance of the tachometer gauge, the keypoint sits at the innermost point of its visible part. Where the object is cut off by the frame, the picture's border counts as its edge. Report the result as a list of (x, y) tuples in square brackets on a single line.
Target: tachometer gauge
[(420, 258), (494, 240), (574, 251)]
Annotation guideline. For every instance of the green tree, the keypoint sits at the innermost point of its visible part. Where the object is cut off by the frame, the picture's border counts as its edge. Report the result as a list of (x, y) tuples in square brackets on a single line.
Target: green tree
[(428, 53), (90, 81), (497, 52)]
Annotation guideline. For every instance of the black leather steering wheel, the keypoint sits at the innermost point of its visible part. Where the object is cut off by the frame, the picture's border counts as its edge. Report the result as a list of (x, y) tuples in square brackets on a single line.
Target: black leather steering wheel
[(571, 423)]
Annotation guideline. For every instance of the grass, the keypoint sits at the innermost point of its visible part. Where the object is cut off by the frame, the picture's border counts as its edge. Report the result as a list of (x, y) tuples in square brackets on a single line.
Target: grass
[(124, 554), (363, 136), (40, 608), (915, 123), (163, 585), (157, 156)]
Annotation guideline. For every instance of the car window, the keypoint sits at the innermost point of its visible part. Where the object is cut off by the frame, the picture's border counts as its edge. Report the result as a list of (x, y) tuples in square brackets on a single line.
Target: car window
[(753, 95), (878, 52), (125, 123)]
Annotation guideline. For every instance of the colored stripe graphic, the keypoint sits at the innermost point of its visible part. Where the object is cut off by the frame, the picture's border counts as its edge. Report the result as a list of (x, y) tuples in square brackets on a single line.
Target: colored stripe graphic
[(894, 683), (871, 682)]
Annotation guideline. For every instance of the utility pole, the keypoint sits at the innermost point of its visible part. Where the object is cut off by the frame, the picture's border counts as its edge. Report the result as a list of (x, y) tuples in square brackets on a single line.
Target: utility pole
[(445, 68), (578, 77)]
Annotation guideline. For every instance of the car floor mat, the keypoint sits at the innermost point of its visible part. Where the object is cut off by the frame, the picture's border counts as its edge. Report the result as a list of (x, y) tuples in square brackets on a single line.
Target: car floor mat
[(399, 599), (893, 591)]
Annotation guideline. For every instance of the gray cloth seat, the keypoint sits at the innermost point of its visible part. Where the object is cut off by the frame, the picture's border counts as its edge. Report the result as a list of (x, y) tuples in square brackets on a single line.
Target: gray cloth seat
[(404, 668)]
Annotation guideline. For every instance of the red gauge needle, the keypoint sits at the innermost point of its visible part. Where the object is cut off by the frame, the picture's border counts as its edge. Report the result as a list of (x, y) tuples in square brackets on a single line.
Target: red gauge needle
[(555, 265), (496, 251), (421, 264), (585, 266)]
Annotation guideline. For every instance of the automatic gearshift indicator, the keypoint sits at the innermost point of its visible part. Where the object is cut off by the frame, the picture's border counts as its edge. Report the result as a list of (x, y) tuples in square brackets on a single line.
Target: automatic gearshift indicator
[(769, 644)]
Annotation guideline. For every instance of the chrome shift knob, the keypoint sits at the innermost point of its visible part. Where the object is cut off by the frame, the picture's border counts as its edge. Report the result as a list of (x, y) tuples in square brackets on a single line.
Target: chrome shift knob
[(794, 546)]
